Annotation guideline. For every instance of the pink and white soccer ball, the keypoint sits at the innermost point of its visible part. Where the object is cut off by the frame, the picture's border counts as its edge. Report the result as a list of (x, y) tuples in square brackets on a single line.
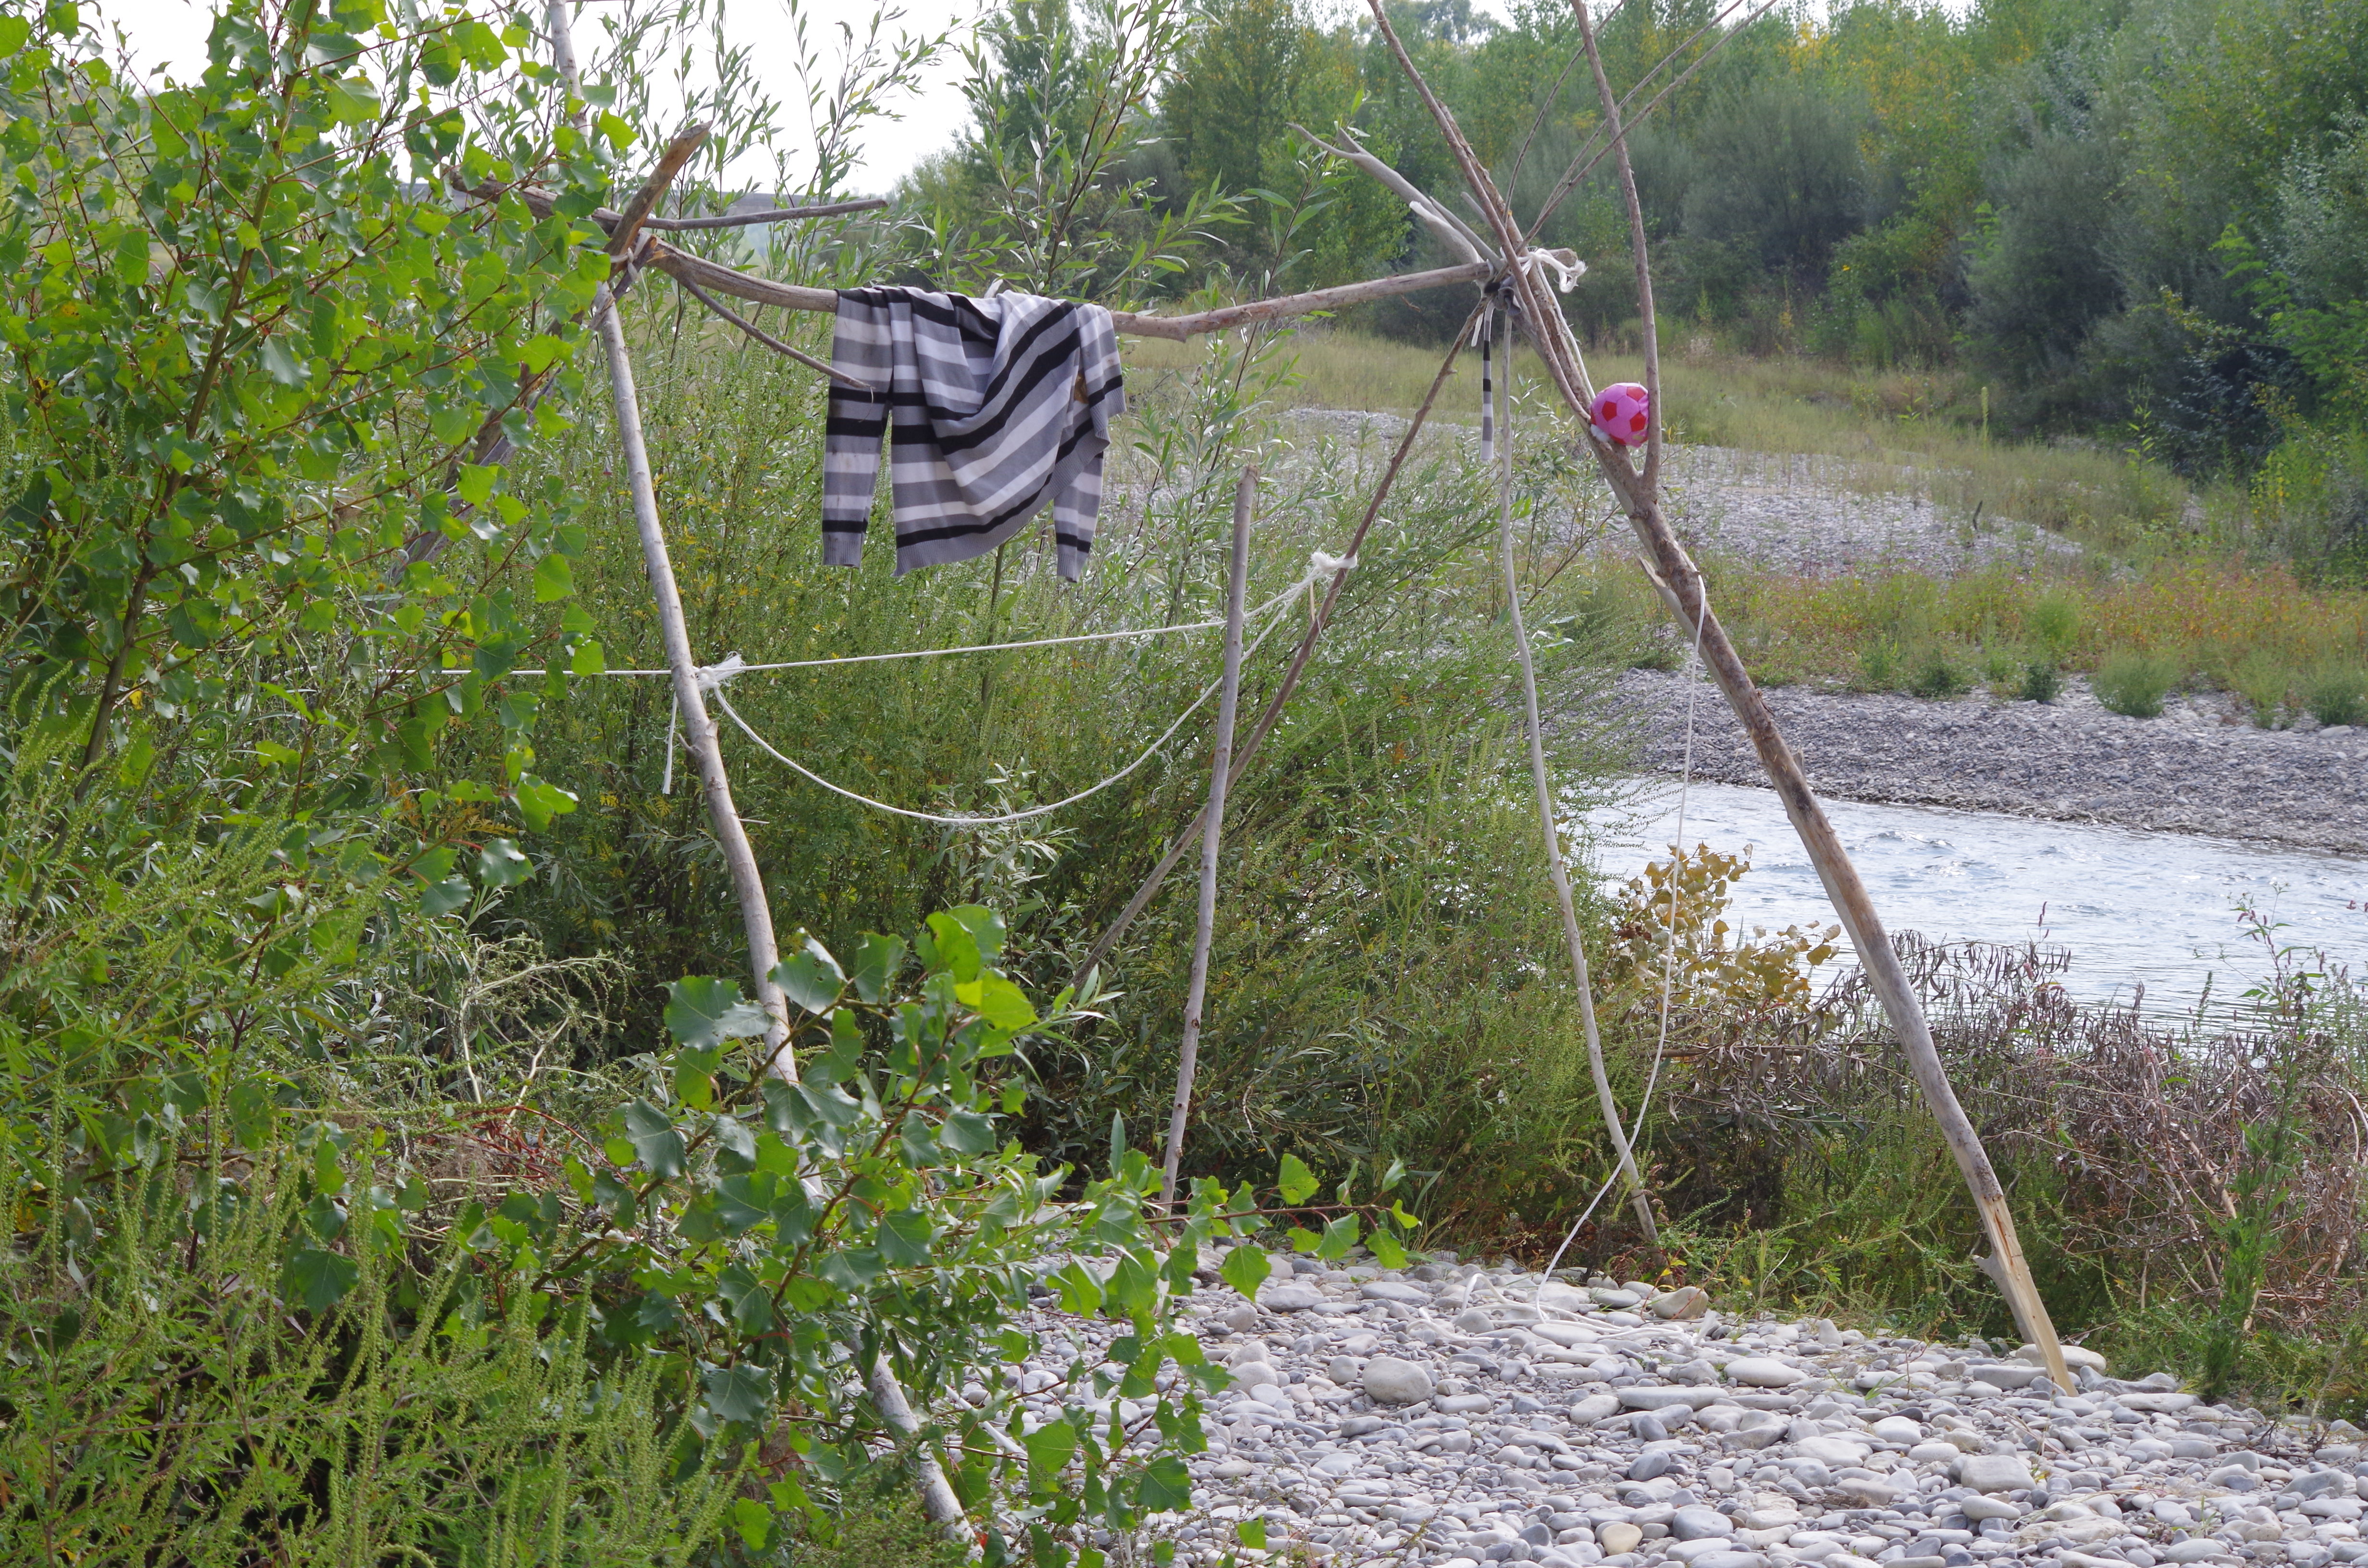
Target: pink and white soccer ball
[(1623, 411)]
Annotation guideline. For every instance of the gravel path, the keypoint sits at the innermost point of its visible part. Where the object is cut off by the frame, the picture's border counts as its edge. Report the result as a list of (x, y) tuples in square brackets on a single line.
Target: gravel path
[(2197, 769), (1452, 1416)]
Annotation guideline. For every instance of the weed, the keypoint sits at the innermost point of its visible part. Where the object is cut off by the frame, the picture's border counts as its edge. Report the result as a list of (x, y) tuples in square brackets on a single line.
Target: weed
[(1878, 665), (2263, 679), (2338, 695), (1936, 675), (2055, 620), (2042, 681), (2134, 684)]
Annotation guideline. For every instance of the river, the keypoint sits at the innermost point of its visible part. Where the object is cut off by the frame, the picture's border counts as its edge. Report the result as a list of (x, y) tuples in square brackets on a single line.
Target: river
[(2157, 910)]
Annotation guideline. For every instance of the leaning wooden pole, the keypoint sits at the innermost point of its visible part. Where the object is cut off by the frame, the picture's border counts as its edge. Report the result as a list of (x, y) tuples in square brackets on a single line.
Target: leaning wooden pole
[(1678, 579), (1556, 872), (937, 1497), (1204, 929)]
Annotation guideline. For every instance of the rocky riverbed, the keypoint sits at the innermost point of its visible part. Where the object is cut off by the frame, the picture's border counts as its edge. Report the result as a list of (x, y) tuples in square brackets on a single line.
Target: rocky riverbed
[(2200, 767), (1453, 1416)]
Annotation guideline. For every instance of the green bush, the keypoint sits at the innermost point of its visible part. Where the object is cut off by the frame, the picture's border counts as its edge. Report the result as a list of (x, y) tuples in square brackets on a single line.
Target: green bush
[(1937, 674), (1879, 665), (2042, 681), (2263, 679), (2338, 695), (2134, 684), (2055, 620)]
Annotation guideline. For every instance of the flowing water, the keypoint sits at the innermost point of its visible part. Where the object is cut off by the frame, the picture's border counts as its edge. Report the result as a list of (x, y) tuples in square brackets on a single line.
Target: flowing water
[(2156, 910)]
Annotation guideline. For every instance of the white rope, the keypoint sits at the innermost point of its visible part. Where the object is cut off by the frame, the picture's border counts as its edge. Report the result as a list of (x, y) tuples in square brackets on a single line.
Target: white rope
[(1668, 951), (1319, 564), (1536, 263), (711, 678)]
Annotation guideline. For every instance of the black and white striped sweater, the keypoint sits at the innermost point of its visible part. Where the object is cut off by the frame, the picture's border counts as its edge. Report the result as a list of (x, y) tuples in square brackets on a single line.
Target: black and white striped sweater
[(1000, 406)]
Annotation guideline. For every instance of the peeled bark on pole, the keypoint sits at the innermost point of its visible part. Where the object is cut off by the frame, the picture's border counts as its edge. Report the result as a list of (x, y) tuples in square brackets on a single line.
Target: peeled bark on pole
[(937, 1497), (1204, 929)]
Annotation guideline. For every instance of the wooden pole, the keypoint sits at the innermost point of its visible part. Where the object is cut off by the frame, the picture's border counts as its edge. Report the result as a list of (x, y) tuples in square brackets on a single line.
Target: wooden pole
[(747, 882), (1220, 763), (1675, 575), (1556, 872)]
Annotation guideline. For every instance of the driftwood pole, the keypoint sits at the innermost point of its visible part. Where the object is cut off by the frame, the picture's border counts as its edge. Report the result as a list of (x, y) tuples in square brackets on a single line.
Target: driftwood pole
[(1680, 582), (1556, 872), (937, 1497), (1220, 763)]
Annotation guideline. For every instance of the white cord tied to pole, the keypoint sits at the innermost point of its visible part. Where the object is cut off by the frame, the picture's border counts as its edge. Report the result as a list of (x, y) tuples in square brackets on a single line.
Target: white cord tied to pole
[(711, 678)]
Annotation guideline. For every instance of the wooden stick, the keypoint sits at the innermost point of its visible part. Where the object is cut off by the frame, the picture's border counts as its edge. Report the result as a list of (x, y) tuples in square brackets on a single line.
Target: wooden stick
[(772, 215), (937, 1497), (1273, 712), (1556, 872), (1221, 762), (678, 152), (767, 338)]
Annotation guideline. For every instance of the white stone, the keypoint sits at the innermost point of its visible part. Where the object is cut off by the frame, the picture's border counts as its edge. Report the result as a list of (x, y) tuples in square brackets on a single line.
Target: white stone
[(1288, 1297), (1763, 1372), (2075, 1356), (1980, 1508), (1391, 1290), (1618, 1537), (2192, 1551), (1834, 1451), (1993, 1472), (1389, 1380)]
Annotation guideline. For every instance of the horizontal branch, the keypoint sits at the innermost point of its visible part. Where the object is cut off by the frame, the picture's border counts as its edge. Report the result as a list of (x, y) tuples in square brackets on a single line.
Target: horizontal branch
[(772, 215), (715, 277)]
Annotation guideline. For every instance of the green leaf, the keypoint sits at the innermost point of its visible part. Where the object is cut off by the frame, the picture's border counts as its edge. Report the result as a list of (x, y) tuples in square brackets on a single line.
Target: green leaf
[(656, 1141), (702, 1011), (444, 897), (502, 864), (905, 1238), (539, 800), (1251, 1531), (999, 1002), (809, 977), (1338, 1237), (1166, 1485), (742, 1393), (552, 581), (754, 1523), (1394, 1174), (316, 1279), (281, 364), (746, 1298), (876, 965), (1050, 1449), (1386, 1250), (1245, 1268), (966, 1133), (1295, 1181)]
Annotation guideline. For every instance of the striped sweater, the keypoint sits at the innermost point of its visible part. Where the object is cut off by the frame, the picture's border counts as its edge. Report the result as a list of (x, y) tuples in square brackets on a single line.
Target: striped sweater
[(999, 405)]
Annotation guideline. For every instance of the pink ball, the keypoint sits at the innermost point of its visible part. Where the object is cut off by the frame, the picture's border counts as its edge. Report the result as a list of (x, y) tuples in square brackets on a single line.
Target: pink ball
[(1624, 413)]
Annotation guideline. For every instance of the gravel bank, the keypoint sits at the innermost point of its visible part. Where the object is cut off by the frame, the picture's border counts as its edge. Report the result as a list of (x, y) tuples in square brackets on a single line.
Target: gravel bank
[(2197, 769), (1451, 1416), (1787, 513)]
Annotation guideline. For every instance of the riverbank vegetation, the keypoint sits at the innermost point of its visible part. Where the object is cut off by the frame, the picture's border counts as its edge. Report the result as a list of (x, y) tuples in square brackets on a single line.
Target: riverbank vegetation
[(390, 1167)]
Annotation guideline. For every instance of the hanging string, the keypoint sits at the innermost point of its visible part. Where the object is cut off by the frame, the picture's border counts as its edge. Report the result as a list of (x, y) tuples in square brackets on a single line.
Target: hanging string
[(726, 671), (1485, 334), (1668, 949)]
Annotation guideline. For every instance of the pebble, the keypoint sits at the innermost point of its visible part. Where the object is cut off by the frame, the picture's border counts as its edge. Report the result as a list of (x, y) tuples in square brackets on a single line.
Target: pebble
[(1449, 1415)]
